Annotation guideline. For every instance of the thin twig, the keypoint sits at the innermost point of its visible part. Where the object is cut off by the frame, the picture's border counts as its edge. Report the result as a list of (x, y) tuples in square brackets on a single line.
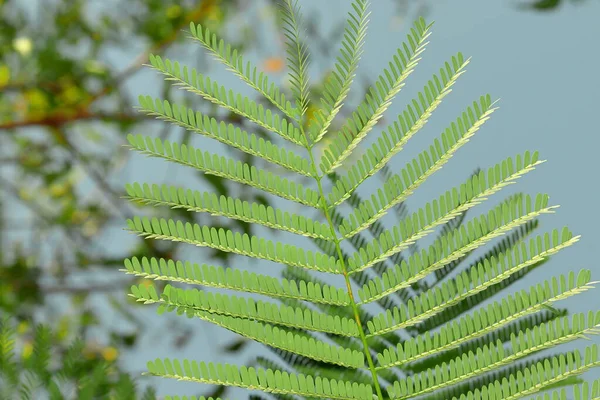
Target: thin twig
[(101, 287), (58, 119)]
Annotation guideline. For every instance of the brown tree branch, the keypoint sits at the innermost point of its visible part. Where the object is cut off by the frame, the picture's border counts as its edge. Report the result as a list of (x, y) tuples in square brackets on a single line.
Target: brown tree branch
[(100, 287), (58, 119)]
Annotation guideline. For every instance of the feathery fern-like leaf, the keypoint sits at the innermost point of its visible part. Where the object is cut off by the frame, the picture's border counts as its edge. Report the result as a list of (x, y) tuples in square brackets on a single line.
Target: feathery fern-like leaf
[(342, 75), (248, 73), (407, 320), (378, 99), (297, 53)]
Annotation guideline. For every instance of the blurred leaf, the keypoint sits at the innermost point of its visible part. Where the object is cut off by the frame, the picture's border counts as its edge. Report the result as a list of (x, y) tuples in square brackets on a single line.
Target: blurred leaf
[(125, 312), (219, 391), (217, 183), (551, 309), (4, 75), (542, 5), (88, 318), (126, 339), (236, 345)]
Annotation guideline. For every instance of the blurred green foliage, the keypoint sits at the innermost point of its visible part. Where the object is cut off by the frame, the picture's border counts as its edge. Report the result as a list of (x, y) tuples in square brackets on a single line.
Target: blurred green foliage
[(37, 361), (64, 112), (548, 5)]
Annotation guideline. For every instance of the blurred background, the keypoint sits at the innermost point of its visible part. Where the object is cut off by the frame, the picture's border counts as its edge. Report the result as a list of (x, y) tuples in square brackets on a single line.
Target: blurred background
[(70, 74)]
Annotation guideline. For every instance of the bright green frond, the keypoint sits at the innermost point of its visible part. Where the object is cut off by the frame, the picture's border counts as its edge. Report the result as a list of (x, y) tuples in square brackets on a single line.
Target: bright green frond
[(226, 206), (245, 70), (225, 167), (409, 122), (358, 241), (210, 90), (228, 134), (487, 320), (197, 303), (303, 275), (539, 377), (585, 391), (503, 245), (482, 382), (447, 227), (307, 366), (465, 285), (485, 360), (522, 271), (443, 250), (430, 338), (415, 173), (494, 356), (474, 191), (516, 211), (260, 379), (352, 375), (378, 99), (282, 338), (234, 279), (375, 343), (503, 332), (234, 242), (297, 53), (342, 75)]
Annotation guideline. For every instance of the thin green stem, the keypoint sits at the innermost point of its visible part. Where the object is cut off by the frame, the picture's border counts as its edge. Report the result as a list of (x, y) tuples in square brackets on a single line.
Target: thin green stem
[(353, 303)]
